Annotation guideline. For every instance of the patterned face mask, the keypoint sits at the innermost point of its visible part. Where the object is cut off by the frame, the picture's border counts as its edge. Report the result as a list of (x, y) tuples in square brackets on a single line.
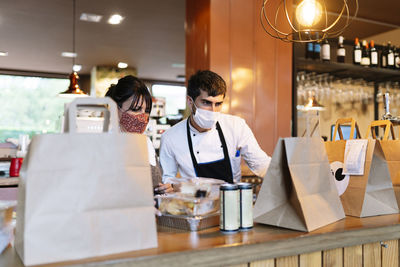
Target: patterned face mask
[(134, 123)]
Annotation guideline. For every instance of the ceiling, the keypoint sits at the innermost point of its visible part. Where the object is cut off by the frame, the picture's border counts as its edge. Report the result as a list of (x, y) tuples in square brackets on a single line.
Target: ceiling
[(151, 37)]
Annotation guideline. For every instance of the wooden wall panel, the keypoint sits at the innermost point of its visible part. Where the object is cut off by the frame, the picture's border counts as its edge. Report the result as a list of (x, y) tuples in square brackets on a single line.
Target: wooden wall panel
[(264, 263), (256, 67), (266, 111), (313, 259), (197, 36), (290, 261), (372, 255), (242, 59), (220, 54), (352, 256), (390, 254), (333, 258)]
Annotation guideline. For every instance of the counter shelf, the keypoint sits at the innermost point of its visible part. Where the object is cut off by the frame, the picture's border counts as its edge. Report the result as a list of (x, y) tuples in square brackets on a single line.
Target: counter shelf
[(210, 247)]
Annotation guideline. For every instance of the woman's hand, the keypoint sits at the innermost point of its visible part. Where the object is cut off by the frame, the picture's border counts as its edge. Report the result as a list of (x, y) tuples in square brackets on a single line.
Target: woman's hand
[(163, 189)]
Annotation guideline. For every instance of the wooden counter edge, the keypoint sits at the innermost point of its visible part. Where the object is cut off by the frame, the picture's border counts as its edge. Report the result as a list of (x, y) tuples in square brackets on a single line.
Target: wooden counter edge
[(244, 253)]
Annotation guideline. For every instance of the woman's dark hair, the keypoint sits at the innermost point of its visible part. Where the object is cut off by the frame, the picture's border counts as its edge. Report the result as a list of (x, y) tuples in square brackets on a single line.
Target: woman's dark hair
[(207, 81), (130, 86)]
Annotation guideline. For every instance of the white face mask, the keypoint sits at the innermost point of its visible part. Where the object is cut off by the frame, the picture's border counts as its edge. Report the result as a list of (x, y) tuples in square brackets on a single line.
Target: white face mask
[(204, 118)]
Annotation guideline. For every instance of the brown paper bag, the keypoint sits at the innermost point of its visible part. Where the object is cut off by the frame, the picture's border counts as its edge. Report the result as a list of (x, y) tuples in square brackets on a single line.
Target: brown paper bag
[(391, 150), (365, 195), (84, 195), (298, 191)]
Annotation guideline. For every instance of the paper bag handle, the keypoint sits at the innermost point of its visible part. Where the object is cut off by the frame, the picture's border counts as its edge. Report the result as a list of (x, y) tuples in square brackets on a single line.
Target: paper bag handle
[(110, 116), (386, 124), (345, 121)]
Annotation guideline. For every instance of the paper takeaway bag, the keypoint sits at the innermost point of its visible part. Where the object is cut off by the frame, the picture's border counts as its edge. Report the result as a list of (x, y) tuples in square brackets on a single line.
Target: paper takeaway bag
[(298, 191), (391, 151), (364, 195), (84, 195)]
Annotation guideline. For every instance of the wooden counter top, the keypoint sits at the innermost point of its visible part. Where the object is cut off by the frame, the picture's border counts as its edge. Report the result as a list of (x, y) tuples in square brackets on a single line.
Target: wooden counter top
[(9, 181), (210, 247)]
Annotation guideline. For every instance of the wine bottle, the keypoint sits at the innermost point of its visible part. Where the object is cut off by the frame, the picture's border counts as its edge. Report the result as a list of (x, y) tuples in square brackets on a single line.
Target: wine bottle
[(373, 53), (309, 50), (341, 51), (326, 51), (365, 60), (317, 50), (390, 56), (396, 58), (384, 56), (357, 52)]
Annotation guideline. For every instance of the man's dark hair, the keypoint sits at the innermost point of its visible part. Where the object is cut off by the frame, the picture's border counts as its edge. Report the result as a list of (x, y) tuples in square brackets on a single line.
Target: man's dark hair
[(207, 81)]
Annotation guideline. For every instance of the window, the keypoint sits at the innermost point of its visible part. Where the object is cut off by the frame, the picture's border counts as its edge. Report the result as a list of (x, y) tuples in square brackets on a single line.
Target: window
[(30, 105), (175, 97)]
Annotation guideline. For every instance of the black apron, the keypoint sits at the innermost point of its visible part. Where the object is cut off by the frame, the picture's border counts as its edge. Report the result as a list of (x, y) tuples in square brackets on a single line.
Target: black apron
[(220, 169)]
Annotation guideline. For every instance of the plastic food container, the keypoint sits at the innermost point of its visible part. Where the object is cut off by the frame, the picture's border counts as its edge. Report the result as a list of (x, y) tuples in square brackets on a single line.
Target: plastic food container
[(189, 223), (200, 187), (179, 204)]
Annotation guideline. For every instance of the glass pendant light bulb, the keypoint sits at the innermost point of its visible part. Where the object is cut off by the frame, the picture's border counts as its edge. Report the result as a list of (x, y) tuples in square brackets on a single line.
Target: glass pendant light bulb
[(309, 13)]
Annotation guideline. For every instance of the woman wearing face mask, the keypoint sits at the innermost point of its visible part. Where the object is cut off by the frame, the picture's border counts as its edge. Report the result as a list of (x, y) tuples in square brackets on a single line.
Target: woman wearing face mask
[(210, 144), (134, 105)]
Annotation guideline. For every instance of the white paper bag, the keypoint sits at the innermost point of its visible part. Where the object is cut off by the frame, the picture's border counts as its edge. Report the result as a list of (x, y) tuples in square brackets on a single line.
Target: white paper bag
[(84, 195)]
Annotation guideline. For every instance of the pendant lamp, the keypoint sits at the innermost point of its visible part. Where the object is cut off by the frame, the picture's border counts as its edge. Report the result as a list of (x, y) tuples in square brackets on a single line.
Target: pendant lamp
[(310, 22), (73, 90)]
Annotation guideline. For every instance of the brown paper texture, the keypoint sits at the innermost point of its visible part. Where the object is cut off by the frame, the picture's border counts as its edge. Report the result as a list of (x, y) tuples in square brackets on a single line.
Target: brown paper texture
[(370, 194), (84, 195), (298, 191)]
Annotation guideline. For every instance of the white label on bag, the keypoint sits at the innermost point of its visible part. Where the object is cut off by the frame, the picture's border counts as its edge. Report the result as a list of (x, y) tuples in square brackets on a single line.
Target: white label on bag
[(341, 180), (354, 156)]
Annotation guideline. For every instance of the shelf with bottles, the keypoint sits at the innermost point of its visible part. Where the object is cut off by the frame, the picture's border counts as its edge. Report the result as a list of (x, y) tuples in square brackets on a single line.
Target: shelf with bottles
[(343, 70), (349, 58)]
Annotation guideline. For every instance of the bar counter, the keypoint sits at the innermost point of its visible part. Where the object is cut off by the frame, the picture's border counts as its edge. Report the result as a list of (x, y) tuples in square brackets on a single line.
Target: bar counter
[(348, 242)]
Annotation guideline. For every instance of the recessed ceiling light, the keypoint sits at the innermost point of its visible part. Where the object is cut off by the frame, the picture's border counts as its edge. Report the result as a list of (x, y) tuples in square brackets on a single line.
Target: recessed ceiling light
[(3, 53), (122, 65), (115, 19), (68, 54), (90, 17), (178, 65), (76, 68)]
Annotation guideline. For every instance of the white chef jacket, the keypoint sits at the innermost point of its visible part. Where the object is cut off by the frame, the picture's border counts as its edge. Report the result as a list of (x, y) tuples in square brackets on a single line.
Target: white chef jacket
[(207, 147)]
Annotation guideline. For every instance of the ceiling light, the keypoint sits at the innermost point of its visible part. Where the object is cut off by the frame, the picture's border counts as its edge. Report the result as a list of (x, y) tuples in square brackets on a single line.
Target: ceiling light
[(73, 90), (308, 13), (76, 68), (178, 65), (122, 65), (3, 53), (90, 17), (309, 22), (68, 54), (115, 19)]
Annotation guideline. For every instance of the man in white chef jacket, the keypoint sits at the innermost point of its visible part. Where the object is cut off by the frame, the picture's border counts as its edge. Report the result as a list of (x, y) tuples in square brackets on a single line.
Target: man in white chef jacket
[(208, 143)]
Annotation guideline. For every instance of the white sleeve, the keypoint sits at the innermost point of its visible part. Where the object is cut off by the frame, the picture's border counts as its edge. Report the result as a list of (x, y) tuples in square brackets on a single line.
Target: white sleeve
[(257, 160), (167, 160)]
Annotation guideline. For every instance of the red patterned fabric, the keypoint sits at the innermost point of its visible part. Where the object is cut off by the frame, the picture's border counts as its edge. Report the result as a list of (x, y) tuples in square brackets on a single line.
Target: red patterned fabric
[(134, 123)]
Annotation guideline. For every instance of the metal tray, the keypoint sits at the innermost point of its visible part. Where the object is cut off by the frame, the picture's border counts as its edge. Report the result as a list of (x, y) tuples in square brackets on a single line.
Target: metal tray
[(189, 223)]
